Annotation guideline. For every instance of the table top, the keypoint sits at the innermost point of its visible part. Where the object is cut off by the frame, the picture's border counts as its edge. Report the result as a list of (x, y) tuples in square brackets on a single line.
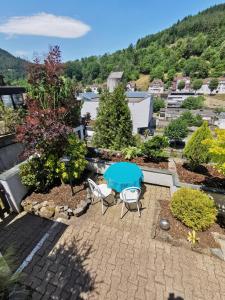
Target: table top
[(122, 175)]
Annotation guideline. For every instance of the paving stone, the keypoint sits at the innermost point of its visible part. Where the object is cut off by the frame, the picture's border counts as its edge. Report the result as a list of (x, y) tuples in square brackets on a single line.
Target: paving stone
[(104, 257)]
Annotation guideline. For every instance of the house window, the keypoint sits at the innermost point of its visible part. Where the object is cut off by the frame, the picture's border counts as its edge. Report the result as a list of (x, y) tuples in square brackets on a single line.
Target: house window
[(7, 100), (17, 99)]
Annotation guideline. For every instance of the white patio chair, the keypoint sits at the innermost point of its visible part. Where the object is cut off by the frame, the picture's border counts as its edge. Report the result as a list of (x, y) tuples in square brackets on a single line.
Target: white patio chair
[(130, 195), (100, 192)]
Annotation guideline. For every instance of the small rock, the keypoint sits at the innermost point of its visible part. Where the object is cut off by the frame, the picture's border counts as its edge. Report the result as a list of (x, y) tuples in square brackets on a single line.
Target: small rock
[(62, 215), (217, 252), (70, 211), (83, 203), (88, 201), (78, 211), (28, 208), (57, 209), (45, 203), (47, 212), (65, 207), (37, 206)]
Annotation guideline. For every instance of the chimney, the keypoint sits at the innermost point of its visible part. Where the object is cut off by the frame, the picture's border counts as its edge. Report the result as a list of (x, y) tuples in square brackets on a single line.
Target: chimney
[(113, 80)]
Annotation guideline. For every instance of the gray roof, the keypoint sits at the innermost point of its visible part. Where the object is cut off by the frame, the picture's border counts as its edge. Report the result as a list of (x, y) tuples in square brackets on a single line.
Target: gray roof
[(137, 94), (115, 75), (89, 96), (131, 96)]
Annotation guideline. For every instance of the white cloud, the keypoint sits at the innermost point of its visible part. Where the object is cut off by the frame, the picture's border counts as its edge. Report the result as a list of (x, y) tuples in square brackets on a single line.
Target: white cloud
[(44, 24)]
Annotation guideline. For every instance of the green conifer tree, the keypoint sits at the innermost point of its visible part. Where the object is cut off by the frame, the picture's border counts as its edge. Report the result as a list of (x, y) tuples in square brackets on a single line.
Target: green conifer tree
[(195, 151), (113, 127)]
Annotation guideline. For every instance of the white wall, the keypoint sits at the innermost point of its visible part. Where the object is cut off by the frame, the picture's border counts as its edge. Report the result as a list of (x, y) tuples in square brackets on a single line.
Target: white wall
[(89, 107), (141, 112)]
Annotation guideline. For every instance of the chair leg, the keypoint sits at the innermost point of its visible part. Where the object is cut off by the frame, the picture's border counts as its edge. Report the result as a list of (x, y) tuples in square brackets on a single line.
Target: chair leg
[(138, 209), (122, 210), (102, 207)]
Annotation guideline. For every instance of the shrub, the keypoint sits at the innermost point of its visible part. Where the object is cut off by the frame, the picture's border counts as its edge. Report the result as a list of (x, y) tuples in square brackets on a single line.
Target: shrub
[(193, 208), (76, 150), (195, 151), (153, 148), (42, 171), (158, 103), (216, 148), (131, 152), (39, 173), (181, 85), (191, 119), (177, 130), (193, 102)]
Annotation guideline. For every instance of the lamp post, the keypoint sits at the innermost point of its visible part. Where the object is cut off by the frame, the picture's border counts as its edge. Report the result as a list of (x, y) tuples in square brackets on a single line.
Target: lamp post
[(66, 160)]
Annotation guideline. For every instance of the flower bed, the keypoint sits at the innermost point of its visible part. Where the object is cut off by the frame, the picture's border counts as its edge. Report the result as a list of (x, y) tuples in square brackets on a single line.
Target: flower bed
[(204, 175), (59, 202), (117, 157), (178, 231)]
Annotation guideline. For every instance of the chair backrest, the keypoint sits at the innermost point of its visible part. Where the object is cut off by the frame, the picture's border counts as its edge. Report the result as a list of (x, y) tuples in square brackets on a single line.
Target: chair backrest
[(94, 186), (131, 194)]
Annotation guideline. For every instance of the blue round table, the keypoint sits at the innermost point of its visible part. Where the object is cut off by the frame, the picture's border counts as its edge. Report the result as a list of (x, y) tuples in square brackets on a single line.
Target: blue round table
[(123, 175)]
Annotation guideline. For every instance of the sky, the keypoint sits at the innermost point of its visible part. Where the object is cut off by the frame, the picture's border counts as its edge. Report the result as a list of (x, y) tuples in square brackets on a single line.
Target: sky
[(86, 27)]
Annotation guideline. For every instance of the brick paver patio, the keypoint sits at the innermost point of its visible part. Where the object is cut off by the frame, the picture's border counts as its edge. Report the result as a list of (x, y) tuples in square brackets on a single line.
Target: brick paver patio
[(104, 257)]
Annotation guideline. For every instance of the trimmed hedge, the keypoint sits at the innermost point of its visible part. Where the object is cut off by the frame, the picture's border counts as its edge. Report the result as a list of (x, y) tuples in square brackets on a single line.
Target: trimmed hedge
[(193, 208)]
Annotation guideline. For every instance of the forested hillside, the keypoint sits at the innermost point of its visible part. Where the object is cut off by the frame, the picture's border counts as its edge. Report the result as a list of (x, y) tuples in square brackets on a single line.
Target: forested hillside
[(194, 46), (11, 67)]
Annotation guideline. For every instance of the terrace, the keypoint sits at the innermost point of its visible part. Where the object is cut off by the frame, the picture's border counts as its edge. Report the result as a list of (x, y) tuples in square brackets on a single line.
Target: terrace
[(105, 257)]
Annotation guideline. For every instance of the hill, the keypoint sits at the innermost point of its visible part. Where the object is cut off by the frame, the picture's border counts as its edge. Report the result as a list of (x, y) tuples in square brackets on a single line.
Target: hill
[(12, 67), (194, 46)]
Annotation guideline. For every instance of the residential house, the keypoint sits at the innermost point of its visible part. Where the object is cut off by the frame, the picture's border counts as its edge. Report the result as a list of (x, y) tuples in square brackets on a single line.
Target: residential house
[(166, 115), (177, 80), (175, 99), (113, 80), (140, 105), (131, 86), (220, 122), (11, 96), (156, 87), (205, 87)]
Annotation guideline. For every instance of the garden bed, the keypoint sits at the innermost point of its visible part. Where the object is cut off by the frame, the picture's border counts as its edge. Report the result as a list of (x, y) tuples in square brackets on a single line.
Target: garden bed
[(117, 157), (178, 232), (58, 202), (205, 175)]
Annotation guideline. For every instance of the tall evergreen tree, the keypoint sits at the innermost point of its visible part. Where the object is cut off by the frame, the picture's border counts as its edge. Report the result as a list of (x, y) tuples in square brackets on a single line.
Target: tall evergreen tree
[(113, 127), (195, 151)]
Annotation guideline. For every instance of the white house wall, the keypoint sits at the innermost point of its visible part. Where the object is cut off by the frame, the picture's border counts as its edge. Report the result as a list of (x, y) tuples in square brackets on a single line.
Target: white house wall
[(89, 107), (141, 112)]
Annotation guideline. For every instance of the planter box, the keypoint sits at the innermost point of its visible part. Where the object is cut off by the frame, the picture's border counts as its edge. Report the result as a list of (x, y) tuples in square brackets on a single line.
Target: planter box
[(152, 176), (15, 190), (9, 152)]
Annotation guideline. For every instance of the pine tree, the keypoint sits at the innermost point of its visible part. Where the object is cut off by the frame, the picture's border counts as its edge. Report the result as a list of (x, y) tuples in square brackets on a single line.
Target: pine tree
[(113, 127), (195, 151)]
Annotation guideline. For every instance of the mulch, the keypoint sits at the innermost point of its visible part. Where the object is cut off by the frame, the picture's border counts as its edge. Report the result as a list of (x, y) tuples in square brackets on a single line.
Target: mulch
[(179, 231), (61, 195), (204, 175)]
